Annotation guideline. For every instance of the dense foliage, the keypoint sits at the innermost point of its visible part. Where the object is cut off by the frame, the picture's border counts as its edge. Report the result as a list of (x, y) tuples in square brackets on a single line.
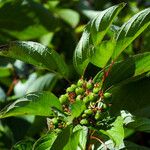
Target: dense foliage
[(74, 75)]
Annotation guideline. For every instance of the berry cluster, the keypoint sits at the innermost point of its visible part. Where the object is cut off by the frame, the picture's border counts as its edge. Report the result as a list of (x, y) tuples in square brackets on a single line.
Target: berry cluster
[(97, 103)]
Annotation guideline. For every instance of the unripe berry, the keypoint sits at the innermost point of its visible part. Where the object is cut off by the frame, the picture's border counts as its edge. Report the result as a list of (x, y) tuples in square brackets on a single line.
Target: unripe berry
[(79, 91), (78, 98), (63, 98), (88, 111), (70, 89), (89, 85), (104, 106), (107, 95), (97, 115), (86, 99), (80, 83), (92, 96), (84, 122), (96, 90), (73, 86), (84, 115), (55, 121)]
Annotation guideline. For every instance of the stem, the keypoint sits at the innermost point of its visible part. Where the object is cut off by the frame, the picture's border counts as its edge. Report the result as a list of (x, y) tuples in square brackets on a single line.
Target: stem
[(95, 138)]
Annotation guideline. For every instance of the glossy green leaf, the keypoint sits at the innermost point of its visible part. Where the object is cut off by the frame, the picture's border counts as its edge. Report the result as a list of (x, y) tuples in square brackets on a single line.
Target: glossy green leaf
[(93, 35), (77, 108), (102, 53), (133, 97), (62, 139), (73, 141), (45, 142), (140, 124), (36, 54), (116, 133), (45, 82), (131, 30), (32, 104), (126, 70)]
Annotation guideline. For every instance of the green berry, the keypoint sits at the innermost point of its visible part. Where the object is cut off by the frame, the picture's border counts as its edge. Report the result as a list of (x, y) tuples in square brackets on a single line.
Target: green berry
[(69, 90), (89, 85), (98, 115), (104, 106), (84, 122), (80, 83), (73, 86), (79, 91), (84, 115), (88, 111), (96, 90), (55, 121), (78, 98), (92, 96), (107, 95), (63, 98), (86, 99)]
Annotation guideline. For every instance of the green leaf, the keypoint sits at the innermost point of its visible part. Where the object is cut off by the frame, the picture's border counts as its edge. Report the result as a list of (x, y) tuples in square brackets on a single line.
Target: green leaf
[(133, 97), (32, 104), (35, 54), (62, 139), (2, 95), (116, 133), (102, 53), (45, 142), (131, 30), (77, 108), (23, 144), (5, 72), (126, 70), (73, 141), (45, 82), (140, 124), (93, 35), (133, 146), (69, 16), (101, 23)]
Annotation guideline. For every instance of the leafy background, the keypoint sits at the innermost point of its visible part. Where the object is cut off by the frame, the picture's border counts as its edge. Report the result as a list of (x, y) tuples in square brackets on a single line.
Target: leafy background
[(59, 25)]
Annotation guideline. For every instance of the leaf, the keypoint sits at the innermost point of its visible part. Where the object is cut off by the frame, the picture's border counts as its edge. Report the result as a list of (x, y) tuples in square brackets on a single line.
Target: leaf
[(35, 54), (62, 139), (45, 82), (131, 30), (93, 35), (77, 108), (5, 72), (133, 146), (111, 146), (102, 53), (126, 70), (32, 104), (2, 95), (73, 141), (116, 133), (140, 124), (69, 16), (23, 144), (45, 142), (133, 97)]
